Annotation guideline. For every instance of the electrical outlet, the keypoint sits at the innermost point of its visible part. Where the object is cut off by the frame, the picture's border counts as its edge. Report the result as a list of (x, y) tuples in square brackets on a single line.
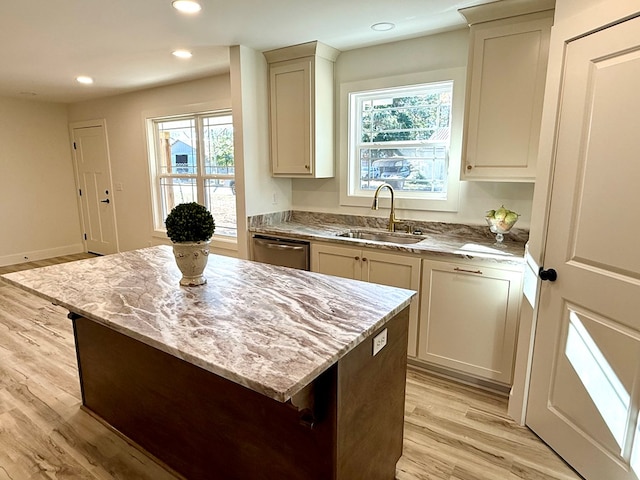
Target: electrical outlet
[(379, 341)]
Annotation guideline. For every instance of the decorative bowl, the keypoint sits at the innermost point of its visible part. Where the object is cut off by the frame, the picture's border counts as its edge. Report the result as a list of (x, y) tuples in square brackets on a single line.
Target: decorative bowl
[(500, 226)]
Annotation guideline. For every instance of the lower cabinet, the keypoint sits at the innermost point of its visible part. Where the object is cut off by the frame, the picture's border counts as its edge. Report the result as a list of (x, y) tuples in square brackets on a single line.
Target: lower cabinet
[(469, 318), (373, 266), (465, 319)]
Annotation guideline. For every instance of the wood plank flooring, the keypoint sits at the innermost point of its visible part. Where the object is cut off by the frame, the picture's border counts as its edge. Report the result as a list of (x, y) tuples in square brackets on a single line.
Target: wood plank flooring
[(452, 431)]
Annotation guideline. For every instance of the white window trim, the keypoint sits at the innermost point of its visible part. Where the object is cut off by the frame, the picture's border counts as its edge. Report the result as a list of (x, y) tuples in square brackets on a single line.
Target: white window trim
[(160, 235), (403, 202)]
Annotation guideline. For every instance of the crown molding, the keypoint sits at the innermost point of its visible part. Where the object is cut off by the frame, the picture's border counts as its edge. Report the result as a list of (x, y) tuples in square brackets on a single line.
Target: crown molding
[(505, 9)]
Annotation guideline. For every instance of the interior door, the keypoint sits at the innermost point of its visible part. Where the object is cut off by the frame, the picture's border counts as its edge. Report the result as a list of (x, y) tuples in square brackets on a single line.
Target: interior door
[(585, 383), (94, 187)]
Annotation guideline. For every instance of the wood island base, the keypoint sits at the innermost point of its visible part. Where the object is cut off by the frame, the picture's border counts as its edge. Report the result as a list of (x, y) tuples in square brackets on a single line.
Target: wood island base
[(206, 427)]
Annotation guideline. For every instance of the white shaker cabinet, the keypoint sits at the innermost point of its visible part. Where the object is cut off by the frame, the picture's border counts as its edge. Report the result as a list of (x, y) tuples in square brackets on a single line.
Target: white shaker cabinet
[(301, 110), (505, 88), (390, 269), (469, 318)]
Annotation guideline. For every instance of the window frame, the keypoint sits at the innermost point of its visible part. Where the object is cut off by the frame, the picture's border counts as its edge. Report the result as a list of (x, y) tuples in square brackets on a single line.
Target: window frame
[(350, 171), (156, 175), (357, 145)]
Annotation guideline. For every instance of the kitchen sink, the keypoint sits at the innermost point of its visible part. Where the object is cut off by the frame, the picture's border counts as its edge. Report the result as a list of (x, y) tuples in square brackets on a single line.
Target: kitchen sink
[(386, 237)]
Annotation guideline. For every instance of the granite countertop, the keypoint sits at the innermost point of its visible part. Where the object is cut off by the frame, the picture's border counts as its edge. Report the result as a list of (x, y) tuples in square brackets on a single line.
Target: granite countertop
[(271, 329), (438, 239)]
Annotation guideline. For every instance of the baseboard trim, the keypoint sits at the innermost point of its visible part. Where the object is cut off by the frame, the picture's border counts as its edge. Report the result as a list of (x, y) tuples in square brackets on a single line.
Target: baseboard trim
[(35, 255), (459, 377)]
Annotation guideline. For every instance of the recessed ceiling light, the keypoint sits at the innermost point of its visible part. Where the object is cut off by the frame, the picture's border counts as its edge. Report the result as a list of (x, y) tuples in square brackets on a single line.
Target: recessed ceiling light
[(182, 53), (186, 6), (84, 80), (383, 26)]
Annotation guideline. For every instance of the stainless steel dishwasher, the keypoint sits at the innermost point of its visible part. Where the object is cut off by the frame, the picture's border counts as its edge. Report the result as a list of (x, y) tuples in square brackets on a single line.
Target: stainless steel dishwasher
[(281, 251)]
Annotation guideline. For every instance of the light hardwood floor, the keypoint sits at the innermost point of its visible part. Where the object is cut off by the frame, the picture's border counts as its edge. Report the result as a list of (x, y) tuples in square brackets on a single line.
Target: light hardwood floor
[(452, 432)]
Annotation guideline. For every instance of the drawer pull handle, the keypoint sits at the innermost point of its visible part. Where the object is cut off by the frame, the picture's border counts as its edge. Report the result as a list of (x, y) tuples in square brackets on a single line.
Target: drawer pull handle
[(478, 272)]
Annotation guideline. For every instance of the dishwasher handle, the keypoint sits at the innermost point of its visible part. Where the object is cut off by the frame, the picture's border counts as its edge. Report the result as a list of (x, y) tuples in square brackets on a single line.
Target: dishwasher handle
[(277, 246)]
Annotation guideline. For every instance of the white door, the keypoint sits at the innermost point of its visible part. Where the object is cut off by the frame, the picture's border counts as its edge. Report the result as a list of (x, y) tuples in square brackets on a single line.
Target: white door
[(585, 384), (94, 187)]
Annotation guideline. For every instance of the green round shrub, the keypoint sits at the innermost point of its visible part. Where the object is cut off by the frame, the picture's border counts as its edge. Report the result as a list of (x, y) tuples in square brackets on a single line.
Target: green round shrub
[(190, 222)]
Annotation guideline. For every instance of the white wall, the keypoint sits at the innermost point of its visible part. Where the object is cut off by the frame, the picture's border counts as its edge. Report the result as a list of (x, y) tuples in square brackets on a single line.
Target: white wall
[(258, 189), (124, 115), (38, 209), (37, 198), (435, 52)]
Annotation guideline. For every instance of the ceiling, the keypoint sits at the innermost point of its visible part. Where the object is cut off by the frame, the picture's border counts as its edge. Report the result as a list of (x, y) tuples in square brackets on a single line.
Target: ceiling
[(126, 45)]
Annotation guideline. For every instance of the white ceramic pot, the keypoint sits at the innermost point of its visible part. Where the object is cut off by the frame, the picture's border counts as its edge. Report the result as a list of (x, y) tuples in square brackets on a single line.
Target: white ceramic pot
[(191, 258)]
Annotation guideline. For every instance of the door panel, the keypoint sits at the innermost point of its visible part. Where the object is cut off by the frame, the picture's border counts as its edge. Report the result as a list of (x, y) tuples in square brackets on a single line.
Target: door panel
[(391, 270), (337, 261), (397, 271), (96, 198), (593, 378), (291, 84), (459, 324), (585, 380), (469, 319), (610, 155)]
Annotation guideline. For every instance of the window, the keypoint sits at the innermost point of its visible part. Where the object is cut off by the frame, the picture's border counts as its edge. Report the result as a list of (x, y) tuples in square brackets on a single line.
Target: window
[(401, 136), (408, 142), (192, 161)]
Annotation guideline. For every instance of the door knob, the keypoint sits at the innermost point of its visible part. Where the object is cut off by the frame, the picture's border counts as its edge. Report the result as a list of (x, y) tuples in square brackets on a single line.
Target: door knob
[(550, 275), (105, 201)]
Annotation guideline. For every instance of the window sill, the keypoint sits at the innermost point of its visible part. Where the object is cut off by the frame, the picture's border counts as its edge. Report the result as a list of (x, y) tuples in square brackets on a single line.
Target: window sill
[(218, 242), (449, 204)]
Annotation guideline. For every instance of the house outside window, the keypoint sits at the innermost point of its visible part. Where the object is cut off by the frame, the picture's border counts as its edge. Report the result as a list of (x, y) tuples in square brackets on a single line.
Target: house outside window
[(192, 160), (401, 136)]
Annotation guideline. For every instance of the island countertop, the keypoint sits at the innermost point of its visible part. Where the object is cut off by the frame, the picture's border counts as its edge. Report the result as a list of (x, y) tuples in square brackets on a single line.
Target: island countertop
[(271, 329)]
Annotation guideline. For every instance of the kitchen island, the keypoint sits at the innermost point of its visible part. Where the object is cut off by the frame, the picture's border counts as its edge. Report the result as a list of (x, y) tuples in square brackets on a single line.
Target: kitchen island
[(264, 372)]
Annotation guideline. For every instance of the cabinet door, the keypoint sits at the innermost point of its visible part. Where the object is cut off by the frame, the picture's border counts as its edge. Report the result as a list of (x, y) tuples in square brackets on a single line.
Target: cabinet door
[(507, 70), (469, 318), (339, 261), (290, 85), (383, 268), (396, 271)]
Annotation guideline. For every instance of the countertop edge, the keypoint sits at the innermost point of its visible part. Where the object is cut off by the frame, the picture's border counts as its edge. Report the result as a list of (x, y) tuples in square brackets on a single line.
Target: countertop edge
[(329, 234), (276, 394)]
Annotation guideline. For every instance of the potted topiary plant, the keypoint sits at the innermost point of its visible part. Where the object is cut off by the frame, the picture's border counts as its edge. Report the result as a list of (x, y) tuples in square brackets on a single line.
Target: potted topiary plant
[(190, 227)]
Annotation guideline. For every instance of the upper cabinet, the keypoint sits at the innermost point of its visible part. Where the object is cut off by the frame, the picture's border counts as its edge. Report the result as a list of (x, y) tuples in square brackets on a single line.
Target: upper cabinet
[(505, 88), (301, 110)]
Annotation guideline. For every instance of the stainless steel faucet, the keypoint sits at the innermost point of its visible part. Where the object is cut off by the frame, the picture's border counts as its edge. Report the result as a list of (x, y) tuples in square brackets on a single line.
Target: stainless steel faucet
[(392, 215)]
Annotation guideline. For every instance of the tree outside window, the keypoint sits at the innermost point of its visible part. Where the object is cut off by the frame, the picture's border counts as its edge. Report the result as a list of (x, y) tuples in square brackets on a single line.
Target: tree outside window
[(192, 161), (401, 136)]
